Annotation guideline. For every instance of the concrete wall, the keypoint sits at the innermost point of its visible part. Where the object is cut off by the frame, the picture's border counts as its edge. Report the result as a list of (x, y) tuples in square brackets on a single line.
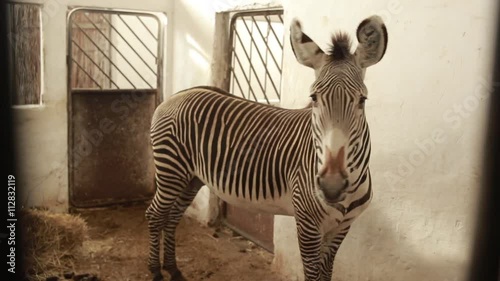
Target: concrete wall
[(426, 108), (42, 135)]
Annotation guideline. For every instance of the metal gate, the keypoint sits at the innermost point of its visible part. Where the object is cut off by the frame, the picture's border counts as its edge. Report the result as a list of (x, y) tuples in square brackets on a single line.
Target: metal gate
[(115, 63), (256, 40)]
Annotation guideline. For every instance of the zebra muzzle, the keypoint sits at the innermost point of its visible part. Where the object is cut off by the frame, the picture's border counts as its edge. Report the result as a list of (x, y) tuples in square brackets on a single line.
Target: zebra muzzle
[(332, 178)]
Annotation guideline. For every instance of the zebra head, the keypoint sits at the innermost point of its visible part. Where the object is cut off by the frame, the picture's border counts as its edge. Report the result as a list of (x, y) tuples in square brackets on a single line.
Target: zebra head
[(337, 99)]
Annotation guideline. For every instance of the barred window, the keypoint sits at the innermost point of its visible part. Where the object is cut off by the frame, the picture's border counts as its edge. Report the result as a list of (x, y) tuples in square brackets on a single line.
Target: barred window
[(113, 50), (25, 53), (257, 55)]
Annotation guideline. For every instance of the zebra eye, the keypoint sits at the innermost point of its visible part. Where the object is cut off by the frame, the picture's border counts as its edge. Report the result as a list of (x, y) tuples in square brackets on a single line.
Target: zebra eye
[(314, 98), (362, 100)]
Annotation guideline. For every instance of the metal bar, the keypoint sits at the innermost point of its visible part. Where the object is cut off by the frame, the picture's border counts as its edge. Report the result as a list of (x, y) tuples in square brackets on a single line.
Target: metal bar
[(244, 75), (231, 85), (281, 67), (266, 57), (147, 28), (266, 12), (121, 36), (162, 69), (262, 59), (117, 50), (115, 91), (281, 62), (249, 60), (237, 82), (104, 53), (281, 19), (274, 33), (267, 45), (115, 11), (109, 52), (233, 63), (97, 65), (84, 71), (139, 39)]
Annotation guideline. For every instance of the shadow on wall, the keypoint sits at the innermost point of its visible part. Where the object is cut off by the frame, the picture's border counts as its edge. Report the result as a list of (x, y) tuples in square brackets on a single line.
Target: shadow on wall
[(379, 252)]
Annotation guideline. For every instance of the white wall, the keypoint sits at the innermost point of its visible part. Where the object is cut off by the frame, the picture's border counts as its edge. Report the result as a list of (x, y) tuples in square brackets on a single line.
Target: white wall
[(42, 131)]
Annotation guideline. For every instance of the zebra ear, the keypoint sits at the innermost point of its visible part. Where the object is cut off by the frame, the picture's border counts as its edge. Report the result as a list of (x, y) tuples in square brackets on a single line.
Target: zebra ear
[(372, 38), (306, 51)]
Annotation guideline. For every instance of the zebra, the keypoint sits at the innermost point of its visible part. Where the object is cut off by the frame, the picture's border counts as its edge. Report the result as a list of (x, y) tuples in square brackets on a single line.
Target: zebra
[(310, 163)]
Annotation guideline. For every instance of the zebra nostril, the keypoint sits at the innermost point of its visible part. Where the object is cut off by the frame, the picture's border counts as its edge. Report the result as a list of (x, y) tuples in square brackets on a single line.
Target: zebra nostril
[(346, 183)]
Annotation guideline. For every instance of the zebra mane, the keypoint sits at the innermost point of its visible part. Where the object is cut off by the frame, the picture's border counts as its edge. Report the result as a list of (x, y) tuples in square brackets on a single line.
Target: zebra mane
[(340, 47)]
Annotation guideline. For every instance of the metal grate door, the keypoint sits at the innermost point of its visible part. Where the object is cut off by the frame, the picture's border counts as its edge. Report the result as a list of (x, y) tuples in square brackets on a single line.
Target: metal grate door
[(115, 63)]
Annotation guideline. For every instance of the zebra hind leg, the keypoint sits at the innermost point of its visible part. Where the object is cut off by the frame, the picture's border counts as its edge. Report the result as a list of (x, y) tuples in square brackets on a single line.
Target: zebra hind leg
[(156, 219), (175, 215), (169, 188)]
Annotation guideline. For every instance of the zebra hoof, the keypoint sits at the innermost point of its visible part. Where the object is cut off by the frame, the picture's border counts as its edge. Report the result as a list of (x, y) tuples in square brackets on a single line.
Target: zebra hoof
[(177, 276), (158, 277)]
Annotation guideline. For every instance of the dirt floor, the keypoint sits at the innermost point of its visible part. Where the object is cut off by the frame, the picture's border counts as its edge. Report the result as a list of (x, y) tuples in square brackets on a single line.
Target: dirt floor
[(117, 250)]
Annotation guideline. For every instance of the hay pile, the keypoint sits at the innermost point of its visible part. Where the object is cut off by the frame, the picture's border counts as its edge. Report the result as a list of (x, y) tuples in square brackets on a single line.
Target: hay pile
[(50, 242)]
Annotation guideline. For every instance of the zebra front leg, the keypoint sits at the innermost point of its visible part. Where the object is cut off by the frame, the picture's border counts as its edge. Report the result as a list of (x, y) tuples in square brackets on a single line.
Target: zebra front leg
[(175, 215), (310, 249), (328, 253)]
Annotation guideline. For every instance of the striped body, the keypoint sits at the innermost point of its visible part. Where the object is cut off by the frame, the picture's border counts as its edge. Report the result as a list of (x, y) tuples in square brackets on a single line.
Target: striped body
[(240, 149), (249, 154)]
